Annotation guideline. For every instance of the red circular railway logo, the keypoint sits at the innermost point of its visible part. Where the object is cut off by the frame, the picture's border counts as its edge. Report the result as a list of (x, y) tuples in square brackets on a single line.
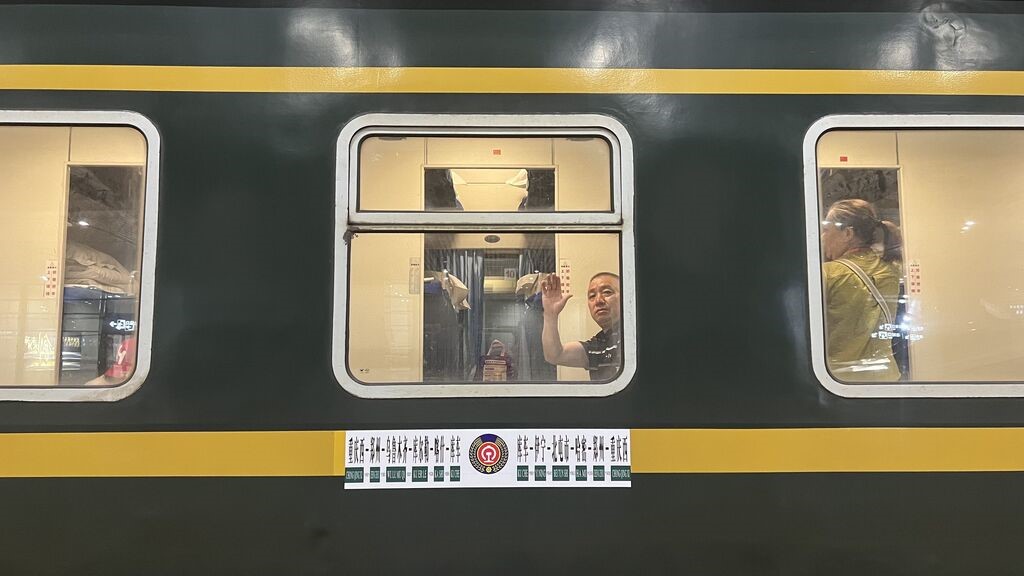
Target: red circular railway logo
[(488, 453)]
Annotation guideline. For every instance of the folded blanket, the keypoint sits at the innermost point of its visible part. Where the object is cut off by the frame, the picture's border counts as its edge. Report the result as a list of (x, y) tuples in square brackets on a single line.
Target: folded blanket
[(86, 266)]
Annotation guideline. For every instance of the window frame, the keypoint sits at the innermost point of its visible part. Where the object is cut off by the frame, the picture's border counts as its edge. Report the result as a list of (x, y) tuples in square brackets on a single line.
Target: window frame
[(812, 208), (144, 333), (619, 220)]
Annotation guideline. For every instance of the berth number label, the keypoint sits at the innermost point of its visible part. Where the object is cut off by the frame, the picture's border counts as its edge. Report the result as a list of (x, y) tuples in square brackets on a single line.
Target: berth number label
[(914, 278), (50, 280)]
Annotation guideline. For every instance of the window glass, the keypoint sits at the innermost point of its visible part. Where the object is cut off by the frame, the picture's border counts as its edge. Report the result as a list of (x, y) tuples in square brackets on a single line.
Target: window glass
[(475, 174), (484, 255), (470, 307), (73, 200), (922, 265)]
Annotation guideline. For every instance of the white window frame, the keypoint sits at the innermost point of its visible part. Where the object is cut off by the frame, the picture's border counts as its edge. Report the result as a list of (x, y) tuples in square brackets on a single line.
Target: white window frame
[(619, 221), (144, 334), (812, 209)]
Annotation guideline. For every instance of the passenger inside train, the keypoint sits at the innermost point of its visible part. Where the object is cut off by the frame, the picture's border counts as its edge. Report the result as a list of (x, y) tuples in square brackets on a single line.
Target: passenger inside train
[(601, 355), (861, 290)]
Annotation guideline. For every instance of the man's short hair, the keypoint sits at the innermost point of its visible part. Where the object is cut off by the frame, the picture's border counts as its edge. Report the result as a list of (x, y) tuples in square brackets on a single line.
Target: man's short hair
[(599, 274)]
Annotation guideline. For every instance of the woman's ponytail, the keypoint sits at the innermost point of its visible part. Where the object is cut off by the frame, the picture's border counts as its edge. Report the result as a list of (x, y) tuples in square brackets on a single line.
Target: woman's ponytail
[(892, 241)]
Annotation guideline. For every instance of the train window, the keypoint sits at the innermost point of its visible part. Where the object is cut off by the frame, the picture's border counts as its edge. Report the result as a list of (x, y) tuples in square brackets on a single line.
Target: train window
[(917, 280), (416, 173), (484, 255), (79, 209)]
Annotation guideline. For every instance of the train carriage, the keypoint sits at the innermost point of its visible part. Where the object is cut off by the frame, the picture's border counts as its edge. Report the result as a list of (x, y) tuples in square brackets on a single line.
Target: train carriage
[(240, 239)]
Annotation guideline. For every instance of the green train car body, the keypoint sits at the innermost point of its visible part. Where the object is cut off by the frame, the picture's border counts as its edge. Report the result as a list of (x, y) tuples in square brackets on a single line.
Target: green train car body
[(245, 285)]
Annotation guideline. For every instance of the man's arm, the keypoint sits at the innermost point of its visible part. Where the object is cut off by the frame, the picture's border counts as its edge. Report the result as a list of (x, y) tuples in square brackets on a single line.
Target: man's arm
[(571, 354)]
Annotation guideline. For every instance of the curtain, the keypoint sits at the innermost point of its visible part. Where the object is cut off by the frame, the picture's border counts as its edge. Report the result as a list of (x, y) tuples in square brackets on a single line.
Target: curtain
[(536, 260), (532, 366), (468, 266)]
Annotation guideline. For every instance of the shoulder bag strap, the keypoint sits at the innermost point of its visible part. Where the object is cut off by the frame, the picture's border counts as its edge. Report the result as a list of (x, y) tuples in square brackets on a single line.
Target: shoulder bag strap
[(871, 287)]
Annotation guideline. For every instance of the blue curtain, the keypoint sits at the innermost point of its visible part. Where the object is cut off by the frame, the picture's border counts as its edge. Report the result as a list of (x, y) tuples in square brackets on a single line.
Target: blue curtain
[(536, 260), (532, 366), (468, 266)]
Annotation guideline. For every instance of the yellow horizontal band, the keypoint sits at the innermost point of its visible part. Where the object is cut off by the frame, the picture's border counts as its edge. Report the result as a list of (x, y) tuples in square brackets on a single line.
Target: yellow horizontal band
[(139, 454), (321, 453), (506, 80), (829, 450)]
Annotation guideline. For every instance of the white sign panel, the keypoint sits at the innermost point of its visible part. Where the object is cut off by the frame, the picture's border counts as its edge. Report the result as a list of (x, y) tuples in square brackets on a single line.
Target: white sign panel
[(500, 458)]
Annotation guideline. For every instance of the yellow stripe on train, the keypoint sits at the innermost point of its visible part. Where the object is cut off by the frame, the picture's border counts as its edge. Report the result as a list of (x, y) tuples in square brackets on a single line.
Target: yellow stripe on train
[(506, 80), (321, 453), (139, 454)]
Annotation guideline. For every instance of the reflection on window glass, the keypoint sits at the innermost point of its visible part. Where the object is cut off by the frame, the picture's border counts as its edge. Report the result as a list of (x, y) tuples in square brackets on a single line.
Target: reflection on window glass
[(73, 203), (922, 266), (474, 174), (484, 307)]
